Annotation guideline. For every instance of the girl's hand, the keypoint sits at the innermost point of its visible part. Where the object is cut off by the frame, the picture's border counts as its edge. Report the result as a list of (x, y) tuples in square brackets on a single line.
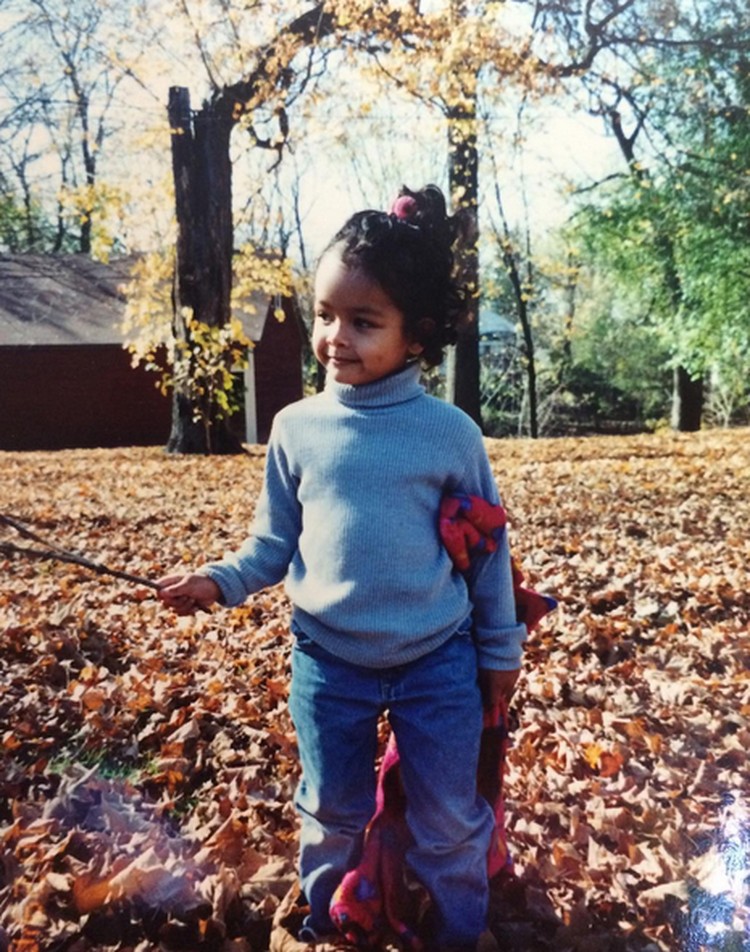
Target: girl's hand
[(497, 686), (187, 594)]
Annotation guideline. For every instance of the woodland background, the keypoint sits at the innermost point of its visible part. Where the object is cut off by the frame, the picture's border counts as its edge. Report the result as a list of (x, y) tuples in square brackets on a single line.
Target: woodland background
[(601, 149), (148, 762)]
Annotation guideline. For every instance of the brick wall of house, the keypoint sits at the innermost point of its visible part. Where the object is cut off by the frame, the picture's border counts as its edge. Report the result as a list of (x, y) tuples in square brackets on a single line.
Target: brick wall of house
[(85, 395), (278, 369)]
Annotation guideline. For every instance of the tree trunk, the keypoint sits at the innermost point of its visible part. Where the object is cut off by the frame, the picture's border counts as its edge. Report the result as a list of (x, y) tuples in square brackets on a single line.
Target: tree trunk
[(521, 295), (463, 173), (202, 173), (203, 270), (687, 393), (687, 401), (89, 164), (524, 319), (530, 354)]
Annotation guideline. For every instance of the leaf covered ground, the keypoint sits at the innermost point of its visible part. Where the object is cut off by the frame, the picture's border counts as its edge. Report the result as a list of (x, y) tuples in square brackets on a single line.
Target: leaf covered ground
[(148, 762)]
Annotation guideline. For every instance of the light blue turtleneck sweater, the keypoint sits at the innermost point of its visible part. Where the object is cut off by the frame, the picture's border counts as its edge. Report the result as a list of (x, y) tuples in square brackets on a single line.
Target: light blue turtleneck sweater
[(348, 515)]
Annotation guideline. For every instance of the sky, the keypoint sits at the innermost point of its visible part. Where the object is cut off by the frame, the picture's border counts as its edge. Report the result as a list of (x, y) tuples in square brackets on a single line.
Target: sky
[(563, 148)]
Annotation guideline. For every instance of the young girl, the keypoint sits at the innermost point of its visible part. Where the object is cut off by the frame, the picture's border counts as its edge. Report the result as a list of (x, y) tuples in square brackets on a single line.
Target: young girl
[(348, 516)]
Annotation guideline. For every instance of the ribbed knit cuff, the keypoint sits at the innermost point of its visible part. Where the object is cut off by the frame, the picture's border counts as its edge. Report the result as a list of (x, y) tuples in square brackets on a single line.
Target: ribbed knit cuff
[(233, 590), (500, 650)]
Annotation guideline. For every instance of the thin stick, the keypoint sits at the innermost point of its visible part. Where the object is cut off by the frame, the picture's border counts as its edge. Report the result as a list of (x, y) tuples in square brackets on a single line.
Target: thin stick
[(58, 554)]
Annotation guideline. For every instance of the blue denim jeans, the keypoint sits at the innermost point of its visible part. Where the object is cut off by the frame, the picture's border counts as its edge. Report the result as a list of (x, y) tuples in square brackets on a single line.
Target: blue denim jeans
[(435, 710)]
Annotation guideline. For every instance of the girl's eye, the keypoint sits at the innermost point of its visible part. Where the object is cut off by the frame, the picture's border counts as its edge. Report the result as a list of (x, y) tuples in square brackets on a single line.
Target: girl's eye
[(323, 317), (363, 323)]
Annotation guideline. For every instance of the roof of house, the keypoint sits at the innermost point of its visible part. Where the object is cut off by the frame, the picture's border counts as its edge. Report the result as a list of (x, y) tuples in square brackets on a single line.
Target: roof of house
[(61, 299), (252, 317), (491, 322), (71, 299)]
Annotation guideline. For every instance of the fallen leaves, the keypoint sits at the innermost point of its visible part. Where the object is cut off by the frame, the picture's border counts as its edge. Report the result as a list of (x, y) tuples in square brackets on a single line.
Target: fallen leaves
[(634, 708), (148, 762)]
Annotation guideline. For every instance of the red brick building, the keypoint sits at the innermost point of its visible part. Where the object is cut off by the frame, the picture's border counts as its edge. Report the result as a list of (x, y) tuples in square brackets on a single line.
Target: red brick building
[(66, 380)]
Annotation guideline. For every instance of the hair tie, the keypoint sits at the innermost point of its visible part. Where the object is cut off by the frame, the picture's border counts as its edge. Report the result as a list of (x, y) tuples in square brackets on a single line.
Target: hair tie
[(404, 208)]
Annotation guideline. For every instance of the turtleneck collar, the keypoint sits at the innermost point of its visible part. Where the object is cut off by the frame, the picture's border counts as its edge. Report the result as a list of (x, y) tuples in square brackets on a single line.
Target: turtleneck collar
[(395, 388)]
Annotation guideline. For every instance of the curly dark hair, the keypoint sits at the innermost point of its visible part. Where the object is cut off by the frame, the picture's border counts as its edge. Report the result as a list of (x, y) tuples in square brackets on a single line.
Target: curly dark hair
[(409, 253)]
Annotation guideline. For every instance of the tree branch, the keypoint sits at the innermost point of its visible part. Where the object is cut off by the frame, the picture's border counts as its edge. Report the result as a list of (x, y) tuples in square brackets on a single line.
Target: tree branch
[(308, 27), (54, 552)]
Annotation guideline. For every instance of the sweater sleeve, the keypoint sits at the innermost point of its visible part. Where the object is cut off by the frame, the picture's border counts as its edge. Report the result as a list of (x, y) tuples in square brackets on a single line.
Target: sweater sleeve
[(499, 636), (263, 559)]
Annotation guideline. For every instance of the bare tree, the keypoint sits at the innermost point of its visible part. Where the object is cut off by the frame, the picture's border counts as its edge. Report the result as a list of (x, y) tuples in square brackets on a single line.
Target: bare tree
[(61, 98)]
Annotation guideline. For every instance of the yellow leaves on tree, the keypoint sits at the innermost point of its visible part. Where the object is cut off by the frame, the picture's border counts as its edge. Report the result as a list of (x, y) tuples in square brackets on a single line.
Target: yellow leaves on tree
[(105, 206), (438, 54), (199, 359)]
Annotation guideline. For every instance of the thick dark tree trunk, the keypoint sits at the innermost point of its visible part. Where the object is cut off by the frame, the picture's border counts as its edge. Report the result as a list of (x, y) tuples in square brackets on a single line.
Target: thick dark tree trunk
[(687, 401), (463, 172), (202, 173), (203, 269)]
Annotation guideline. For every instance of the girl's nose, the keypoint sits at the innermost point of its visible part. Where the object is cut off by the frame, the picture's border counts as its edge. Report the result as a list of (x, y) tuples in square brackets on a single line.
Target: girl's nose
[(337, 332)]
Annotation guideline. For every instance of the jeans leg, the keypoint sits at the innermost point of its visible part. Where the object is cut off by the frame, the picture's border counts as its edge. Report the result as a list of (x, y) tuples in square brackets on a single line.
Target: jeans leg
[(335, 710), (436, 713)]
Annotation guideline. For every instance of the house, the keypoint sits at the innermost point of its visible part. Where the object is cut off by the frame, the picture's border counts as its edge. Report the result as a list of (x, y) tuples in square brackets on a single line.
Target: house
[(66, 380), (273, 376), (496, 332)]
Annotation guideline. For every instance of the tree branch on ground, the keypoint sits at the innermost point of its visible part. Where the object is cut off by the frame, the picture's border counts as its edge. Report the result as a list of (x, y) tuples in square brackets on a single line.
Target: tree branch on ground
[(54, 552)]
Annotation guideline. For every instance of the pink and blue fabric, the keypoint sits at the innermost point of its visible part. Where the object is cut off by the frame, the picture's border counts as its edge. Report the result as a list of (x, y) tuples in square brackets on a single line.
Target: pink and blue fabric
[(374, 897)]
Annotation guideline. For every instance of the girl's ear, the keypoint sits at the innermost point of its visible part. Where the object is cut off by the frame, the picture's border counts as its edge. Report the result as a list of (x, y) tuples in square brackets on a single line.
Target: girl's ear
[(425, 330)]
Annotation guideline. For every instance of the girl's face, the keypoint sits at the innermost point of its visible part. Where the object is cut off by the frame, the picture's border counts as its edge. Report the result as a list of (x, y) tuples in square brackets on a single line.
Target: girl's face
[(359, 333)]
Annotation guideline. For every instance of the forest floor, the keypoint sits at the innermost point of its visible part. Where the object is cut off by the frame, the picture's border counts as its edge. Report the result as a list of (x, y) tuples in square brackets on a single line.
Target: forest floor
[(148, 762)]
